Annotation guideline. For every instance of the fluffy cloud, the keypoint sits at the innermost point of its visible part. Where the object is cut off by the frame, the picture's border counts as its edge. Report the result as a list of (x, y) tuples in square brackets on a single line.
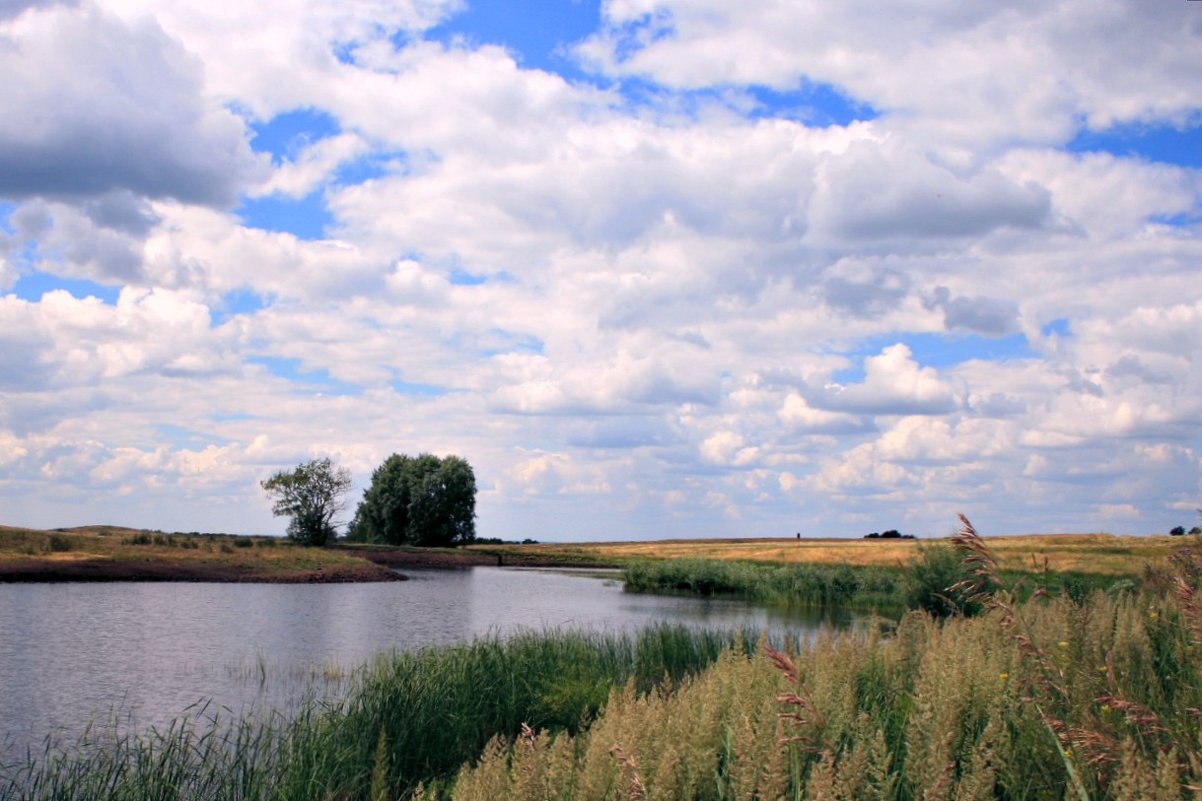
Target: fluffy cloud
[(651, 299), (893, 384), (126, 111), (962, 76)]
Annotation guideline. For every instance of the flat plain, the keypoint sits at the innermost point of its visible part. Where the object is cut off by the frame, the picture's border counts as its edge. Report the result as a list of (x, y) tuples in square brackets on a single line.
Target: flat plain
[(1107, 554)]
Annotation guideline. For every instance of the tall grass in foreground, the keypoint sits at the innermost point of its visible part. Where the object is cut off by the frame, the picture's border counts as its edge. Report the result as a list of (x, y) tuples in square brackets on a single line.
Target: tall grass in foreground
[(409, 717), (1051, 698)]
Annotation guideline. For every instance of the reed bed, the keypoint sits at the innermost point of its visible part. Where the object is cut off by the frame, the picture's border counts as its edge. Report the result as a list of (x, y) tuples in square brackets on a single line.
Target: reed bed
[(409, 717), (922, 583), (815, 585), (1051, 699)]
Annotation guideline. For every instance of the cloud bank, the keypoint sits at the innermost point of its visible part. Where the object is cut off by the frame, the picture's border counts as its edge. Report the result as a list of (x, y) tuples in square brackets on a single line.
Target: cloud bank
[(700, 273)]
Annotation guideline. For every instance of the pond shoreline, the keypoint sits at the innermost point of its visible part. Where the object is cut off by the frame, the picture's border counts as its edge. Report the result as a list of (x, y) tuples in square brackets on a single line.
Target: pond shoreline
[(475, 556), (94, 570), (110, 553)]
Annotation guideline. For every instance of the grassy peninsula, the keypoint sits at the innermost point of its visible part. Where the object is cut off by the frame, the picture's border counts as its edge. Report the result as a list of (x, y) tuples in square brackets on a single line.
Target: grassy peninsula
[(111, 553)]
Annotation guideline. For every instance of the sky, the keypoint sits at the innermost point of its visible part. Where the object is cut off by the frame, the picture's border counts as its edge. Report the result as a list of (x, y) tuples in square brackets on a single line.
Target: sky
[(655, 268)]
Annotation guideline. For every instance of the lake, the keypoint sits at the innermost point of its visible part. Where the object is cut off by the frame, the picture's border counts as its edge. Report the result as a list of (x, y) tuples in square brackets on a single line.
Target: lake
[(75, 652)]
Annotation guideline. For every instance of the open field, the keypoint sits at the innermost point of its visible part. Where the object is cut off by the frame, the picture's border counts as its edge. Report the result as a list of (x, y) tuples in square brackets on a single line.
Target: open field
[(1106, 554), (111, 553)]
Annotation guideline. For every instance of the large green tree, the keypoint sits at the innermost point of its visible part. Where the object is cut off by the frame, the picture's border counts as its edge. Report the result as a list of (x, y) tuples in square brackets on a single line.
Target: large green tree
[(311, 494), (418, 500)]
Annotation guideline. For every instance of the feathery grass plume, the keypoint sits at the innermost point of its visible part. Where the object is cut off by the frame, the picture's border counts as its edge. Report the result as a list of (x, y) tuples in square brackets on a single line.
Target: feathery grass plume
[(803, 715), (1047, 680), (820, 784), (630, 778), (666, 778), (527, 765), (1143, 779), (931, 733), (489, 779), (379, 769)]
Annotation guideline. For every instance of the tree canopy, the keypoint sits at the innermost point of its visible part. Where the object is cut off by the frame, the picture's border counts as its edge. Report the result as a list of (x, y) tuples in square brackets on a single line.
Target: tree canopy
[(418, 500), (312, 494)]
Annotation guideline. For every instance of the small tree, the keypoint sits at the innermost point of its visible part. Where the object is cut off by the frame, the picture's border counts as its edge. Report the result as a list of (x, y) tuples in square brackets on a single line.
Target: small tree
[(311, 495)]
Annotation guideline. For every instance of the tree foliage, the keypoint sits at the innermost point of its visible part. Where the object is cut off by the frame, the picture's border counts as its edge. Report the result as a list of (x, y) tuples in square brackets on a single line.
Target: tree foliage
[(312, 494), (418, 500)]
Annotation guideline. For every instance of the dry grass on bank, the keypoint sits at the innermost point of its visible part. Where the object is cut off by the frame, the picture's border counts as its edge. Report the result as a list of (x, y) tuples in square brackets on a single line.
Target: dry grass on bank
[(268, 558)]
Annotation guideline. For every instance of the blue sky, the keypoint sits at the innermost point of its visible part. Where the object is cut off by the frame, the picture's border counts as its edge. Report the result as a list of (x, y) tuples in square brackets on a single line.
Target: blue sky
[(655, 269)]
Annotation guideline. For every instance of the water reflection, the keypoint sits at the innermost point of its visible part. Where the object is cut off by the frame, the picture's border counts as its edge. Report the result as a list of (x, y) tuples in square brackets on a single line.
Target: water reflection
[(74, 652)]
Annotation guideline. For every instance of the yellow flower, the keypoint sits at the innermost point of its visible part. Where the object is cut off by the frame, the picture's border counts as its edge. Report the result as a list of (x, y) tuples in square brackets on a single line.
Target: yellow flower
[(1063, 643), (1152, 615), (1102, 668), (1105, 707), (1003, 676)]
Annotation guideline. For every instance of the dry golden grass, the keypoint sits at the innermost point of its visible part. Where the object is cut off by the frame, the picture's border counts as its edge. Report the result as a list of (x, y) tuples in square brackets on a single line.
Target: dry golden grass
[(1055, 699), (252, 555), (1089, 553)]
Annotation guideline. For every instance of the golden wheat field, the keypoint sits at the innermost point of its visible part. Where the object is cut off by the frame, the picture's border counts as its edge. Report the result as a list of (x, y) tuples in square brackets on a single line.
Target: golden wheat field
[(1109, 554)]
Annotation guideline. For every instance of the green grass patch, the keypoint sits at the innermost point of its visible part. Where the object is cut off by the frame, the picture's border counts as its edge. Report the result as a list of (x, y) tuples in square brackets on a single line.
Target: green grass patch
[(922, 584), (812, 585)]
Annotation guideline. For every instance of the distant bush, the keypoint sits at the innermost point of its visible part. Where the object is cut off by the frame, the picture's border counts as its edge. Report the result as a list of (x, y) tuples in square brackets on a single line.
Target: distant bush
[(265, 542), (1196, 530), (499, 541), (141, 538), (1177, 531), (59, 543), (929, 579), (244, 542), (891, 534)]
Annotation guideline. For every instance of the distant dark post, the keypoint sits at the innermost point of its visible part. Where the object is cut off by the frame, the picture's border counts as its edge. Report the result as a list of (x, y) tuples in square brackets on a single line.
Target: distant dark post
[(799, 535)]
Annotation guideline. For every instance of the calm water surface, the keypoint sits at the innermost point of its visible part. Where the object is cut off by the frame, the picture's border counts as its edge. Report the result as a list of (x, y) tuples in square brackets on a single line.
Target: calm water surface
[(145, 652)]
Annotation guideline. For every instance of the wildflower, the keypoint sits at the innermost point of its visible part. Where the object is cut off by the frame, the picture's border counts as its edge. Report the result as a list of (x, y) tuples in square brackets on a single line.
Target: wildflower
[(1003, 676), (1063, 643)]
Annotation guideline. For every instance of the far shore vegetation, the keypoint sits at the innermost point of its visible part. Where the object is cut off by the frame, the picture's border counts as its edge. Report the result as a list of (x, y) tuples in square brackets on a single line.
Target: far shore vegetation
[(881, 574)]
